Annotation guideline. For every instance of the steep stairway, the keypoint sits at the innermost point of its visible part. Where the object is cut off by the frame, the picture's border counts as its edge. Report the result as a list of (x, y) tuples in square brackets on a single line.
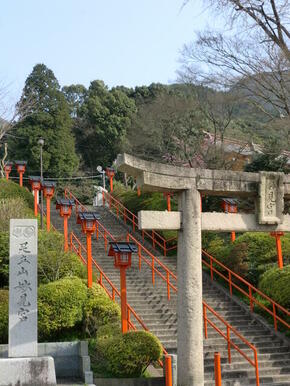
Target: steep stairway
[(160, 316)]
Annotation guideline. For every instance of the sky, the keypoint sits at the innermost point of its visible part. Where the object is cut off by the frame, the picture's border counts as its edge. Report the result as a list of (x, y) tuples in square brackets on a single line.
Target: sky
[(122, 42)]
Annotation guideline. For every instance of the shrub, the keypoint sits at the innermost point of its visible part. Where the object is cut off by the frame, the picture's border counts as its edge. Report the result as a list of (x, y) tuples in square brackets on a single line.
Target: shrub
[(99, 310), (53, 262), (276, 284), (13, 208), (4, 301), (10, 190), (125, 355), (4, 258), (60, 306)]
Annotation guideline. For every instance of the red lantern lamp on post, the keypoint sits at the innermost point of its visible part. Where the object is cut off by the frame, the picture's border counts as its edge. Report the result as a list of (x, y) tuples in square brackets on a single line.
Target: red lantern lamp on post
[(277, 236), (88, 222), (21, 167), (7, 168), (48, 188), (122, 253), (230, 205), (110, 172), (34, 181), (65, 206), (168, 196)]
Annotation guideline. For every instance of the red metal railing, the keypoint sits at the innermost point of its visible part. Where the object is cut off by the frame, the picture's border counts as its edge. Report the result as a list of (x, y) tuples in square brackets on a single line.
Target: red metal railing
[(230, 343), (154, 264), (230, 275), (131, 219), (235, 281)]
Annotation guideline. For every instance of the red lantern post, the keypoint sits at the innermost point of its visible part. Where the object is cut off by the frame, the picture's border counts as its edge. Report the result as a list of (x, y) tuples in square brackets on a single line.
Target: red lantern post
[(21, 167), (277, 236), (168, 199), (48, 188), (229, 205), (122, 253), (65, 206), (35, 186), (7, 169), (110, 172), (88, 222)]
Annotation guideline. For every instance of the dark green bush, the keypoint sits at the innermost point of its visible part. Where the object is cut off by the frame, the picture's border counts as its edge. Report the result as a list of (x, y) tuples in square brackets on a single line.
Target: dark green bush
[(99, 310), (10, 189), (60, 306), (252, 254), (4, 302), (13, 208), (276, 284), (53, 262), (125, 355)]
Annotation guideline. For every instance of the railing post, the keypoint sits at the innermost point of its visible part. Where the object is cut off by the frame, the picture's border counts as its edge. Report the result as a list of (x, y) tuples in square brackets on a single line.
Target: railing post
[(168, 371), (251, 299), (204, 320), (97, 231), (128, 318), (230, 283), (113, 294), (168, 285), (153, 272), (139, 254), (229, 344), (256, 368), (274, 315), (70, 241), (217, 369)]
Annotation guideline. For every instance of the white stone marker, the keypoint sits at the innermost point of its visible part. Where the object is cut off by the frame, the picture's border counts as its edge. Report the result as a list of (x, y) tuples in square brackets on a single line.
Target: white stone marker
[(23, 288)]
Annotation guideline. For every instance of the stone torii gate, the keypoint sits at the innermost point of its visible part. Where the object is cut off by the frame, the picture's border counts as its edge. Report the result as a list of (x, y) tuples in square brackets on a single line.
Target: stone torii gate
[(268, 190)]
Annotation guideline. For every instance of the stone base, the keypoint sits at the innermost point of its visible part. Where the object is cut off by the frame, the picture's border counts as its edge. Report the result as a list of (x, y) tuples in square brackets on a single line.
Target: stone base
[(36, 371)]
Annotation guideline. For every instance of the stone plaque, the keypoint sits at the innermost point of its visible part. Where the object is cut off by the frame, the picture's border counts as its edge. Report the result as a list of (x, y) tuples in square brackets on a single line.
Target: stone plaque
[(271, 192), (23, 288)]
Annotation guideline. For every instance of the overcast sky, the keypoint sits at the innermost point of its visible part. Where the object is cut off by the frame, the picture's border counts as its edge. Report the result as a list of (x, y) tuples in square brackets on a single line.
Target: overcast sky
[(123, 42)]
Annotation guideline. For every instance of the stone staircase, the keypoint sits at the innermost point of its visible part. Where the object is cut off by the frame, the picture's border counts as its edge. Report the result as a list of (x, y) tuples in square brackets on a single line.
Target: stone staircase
[(160, 316)]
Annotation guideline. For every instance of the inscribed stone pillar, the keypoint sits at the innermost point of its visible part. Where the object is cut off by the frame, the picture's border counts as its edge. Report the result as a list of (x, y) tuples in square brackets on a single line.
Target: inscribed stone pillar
[(23, 288), (190, 370)]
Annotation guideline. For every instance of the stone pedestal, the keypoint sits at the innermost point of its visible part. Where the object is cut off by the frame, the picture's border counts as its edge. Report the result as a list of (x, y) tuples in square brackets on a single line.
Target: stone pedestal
[(27, 371)]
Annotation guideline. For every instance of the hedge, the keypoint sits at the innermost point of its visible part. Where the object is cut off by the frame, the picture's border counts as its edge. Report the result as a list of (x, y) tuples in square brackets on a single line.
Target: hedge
[(276, 284), (10, 190), (4, 302), (99, 310), (123, 356), (60, 306), (53, 262)]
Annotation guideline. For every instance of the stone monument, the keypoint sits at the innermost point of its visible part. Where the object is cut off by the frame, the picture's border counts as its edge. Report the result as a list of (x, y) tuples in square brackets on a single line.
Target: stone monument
[(268, 190), (23, 366)]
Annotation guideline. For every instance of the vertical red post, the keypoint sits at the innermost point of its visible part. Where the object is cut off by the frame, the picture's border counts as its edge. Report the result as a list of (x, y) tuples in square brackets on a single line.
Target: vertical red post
[(233, 236), (277, 236), (168, 371), (7, 175), (111, 184), (138, 192), (21, 178), (35, 202), (89, 259), (168, 202), (47, 213), (65, 232), (124, 323), (217, 369)]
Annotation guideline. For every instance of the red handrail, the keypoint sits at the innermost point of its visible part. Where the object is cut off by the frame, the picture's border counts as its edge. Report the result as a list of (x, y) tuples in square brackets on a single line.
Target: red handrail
[(205, 306), (251, 289), (112, 291), (230, 274)]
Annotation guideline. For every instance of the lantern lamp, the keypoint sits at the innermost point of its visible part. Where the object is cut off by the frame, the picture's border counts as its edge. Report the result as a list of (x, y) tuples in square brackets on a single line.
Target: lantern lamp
[(88, 222), (48, 188), (122, 253), (65, 205), (230, 205), (21, 167), (7, 168), (110, 172), (35, 183)]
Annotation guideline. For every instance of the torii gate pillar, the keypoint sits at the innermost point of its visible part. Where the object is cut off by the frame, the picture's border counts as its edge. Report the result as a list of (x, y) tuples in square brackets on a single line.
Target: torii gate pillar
[(190, 365), (267, 189)]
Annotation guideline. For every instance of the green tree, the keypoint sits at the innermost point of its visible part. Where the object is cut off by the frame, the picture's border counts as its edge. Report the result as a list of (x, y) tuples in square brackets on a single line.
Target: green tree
[(49, 118), (104, 119), (75, 96)]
